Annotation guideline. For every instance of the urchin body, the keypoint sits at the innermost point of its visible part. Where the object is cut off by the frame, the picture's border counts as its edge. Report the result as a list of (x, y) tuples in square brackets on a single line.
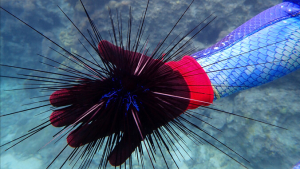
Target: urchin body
[(123, 104)]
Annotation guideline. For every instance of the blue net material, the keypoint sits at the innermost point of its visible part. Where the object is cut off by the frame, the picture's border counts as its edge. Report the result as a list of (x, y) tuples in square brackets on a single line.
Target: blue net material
[(294, 1), (261, 50)]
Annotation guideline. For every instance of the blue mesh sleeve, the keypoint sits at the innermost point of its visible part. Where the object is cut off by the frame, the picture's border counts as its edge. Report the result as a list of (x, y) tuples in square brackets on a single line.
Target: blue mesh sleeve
[(261, 50), (293, 1)]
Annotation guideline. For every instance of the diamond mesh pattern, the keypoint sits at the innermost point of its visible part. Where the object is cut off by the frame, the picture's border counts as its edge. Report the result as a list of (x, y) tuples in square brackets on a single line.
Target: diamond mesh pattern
[(269, 52), (264, 19)]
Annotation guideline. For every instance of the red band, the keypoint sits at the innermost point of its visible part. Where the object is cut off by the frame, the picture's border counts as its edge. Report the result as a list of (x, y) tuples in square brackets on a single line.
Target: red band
[(201, 91)]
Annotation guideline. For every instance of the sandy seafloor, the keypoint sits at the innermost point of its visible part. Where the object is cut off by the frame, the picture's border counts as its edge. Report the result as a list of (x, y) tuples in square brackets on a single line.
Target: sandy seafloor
[(278, 102)]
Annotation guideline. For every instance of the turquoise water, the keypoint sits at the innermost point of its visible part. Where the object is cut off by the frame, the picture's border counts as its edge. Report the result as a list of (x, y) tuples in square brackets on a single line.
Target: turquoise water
[(277, 102)]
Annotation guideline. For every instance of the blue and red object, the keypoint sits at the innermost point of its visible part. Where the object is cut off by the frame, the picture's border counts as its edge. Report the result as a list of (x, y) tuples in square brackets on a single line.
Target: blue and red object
[(261, 50)]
